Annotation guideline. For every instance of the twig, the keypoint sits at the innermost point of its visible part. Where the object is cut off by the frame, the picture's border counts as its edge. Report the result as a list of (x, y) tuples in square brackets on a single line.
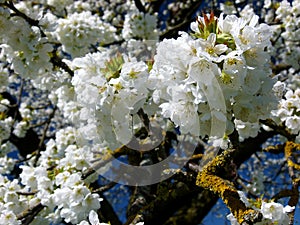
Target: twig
[(172, 30), (105, 187), (41, 144), (188, 19), (31, 21), (57, 61), (54, 58), (28, 215), (277, 149), (26, 193), (140, 6), (117, 153), (280, 129)]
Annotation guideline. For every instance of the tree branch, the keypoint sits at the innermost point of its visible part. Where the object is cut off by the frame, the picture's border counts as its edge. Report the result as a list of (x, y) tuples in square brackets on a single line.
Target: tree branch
[(140, 6), (280, 129), (28, 215), (41, 145), (195, 211), (210, 179), (115, 154), (29, 20), (289, 148), (107, 213), (168, 200)]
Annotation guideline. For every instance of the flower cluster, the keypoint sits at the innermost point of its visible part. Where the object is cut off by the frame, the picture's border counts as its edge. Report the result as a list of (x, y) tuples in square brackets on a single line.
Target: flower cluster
[(272, 212), (288, 111), (24, 46), (220, 76), (93, 219), (289, 15), (109, 91), (5, 125), (79, 31), (66, 196), (141, 34), (140, 26), (209, 83), (286, 42), (11, 203)]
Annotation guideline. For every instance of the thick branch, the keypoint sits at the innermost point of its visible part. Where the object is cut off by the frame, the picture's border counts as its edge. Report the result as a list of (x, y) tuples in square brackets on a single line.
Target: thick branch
[(195, 211), (249, 146), (280, 129), (107, 213), (208, 178), (166, 203), (289, 148)]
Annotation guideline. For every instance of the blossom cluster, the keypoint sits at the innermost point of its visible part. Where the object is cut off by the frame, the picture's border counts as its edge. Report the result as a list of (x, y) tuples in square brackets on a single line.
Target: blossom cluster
[(24, 46), (11, 203), (108, 96), (140, 26), (272, 212), (289, 15), (221, 74), (208, 83), (80, 31), (61, 190), (288, 111)]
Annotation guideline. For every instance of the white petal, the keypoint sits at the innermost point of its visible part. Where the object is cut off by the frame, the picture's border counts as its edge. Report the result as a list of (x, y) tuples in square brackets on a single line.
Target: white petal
[(211, 39), (93, 218), (288, 209), (219, 49)]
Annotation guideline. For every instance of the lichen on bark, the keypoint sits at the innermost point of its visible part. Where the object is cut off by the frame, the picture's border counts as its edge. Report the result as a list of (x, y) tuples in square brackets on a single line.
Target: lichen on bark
[(212, 178)]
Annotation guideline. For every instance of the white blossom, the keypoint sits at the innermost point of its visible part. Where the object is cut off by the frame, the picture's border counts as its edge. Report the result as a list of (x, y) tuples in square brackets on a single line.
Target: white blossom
[(80, 30), (140, 25), (275, 212)]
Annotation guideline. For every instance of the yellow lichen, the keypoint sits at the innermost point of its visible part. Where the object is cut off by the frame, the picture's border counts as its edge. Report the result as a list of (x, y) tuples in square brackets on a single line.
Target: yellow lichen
[(209, 179), (288, 150)]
